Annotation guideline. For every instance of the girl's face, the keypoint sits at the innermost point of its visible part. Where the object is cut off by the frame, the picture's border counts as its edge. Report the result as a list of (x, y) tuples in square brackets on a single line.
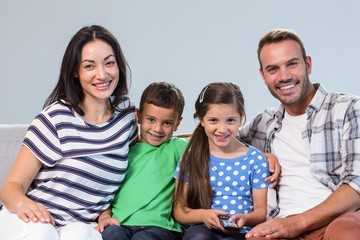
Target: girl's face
[(221, 124), (98, 71)]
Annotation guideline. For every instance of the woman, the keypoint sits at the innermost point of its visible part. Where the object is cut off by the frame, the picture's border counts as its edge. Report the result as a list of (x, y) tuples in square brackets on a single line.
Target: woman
[(74, 155)]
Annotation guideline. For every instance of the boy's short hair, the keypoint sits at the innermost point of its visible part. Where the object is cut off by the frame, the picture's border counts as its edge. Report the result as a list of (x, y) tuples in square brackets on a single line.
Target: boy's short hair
[(165, 95)]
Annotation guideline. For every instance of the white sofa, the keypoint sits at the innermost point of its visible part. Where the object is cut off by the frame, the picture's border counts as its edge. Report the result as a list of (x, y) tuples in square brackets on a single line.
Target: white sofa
[(11, 137)]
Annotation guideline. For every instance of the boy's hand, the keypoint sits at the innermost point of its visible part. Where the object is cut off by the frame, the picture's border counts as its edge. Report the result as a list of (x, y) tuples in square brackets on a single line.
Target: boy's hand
[(105, 222), (274, 168)]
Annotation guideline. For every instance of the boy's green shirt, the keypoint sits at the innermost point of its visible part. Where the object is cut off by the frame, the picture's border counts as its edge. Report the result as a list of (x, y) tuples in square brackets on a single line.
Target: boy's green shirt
[(146, 195)]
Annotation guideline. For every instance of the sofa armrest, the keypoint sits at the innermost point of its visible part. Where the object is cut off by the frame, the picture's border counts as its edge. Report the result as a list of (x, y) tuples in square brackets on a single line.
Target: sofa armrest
[(11, 138)]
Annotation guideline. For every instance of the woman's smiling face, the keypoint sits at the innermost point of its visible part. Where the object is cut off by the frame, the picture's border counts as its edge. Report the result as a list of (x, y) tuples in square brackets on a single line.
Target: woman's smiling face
[(98, 71)]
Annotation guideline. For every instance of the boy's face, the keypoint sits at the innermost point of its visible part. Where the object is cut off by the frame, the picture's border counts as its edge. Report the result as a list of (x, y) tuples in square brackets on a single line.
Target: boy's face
[(157, 124)]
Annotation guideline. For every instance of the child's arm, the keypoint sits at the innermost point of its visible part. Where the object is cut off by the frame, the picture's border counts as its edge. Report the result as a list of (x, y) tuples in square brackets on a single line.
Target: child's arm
[(187, 216), (258, 215), (105, 220), (274, 168)]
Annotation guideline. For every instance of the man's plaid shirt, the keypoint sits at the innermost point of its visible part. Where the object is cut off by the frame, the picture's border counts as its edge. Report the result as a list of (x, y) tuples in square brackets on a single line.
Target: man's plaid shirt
[(333, 132)]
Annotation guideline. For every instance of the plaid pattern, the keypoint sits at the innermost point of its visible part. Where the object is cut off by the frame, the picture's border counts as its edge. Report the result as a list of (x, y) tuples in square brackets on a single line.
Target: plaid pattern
[(333, 132)]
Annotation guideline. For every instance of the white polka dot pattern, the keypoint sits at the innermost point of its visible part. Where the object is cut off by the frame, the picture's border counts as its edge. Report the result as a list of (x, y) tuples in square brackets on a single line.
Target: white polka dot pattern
[(233, 180)]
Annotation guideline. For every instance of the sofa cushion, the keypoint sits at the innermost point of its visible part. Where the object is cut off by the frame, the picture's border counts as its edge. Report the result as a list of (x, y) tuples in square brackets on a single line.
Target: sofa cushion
[(11, 138)]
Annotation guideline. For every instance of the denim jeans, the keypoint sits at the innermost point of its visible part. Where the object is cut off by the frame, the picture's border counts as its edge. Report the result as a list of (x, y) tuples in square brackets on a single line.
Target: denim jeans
[(201, 232), (115, 232)]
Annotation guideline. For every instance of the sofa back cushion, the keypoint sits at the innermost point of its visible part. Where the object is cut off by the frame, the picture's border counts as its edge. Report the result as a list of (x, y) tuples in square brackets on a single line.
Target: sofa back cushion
[(11, 138)]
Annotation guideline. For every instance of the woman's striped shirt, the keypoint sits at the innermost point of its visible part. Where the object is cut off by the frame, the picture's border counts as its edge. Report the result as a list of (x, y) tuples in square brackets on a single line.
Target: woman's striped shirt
[(83, 164)]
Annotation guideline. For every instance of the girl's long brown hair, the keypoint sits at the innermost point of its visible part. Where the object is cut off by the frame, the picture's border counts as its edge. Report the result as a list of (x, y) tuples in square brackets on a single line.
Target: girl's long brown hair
[(194, 166)]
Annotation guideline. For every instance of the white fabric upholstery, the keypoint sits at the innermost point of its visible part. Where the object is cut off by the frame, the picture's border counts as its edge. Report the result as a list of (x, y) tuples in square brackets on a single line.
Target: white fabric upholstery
[(11, 137)]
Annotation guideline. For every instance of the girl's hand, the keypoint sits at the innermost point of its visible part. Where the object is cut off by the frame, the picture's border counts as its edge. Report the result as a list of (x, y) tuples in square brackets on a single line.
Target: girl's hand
[(233, 229), (239, 219), (211, 218), (28, 210), (274, 168)]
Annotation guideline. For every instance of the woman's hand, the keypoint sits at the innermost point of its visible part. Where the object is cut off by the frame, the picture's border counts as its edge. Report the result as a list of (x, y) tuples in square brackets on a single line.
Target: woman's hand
[(28, 210)]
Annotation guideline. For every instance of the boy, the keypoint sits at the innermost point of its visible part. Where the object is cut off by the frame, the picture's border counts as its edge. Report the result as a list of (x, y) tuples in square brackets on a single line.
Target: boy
[(142, 208)]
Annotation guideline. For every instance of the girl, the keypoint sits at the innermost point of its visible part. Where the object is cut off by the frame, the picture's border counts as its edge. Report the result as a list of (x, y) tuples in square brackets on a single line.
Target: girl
[(219, 176), (74, 155)]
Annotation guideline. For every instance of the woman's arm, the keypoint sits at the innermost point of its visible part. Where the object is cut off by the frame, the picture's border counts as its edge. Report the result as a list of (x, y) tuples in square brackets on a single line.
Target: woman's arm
[(12, 194)]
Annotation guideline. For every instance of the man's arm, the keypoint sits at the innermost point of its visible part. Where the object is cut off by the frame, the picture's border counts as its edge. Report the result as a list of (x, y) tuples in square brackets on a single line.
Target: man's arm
[(311, 219), (331, 208)]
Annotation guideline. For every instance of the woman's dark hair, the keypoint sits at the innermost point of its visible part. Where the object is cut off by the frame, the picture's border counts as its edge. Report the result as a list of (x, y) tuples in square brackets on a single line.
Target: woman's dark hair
[(68, 86), (194, 167)]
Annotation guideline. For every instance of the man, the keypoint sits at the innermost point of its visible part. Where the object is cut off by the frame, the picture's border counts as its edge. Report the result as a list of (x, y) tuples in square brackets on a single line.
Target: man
[(316, 138)]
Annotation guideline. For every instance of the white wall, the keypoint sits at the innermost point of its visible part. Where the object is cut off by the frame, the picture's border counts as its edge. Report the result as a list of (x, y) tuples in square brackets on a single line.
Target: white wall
[(187, 42)]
